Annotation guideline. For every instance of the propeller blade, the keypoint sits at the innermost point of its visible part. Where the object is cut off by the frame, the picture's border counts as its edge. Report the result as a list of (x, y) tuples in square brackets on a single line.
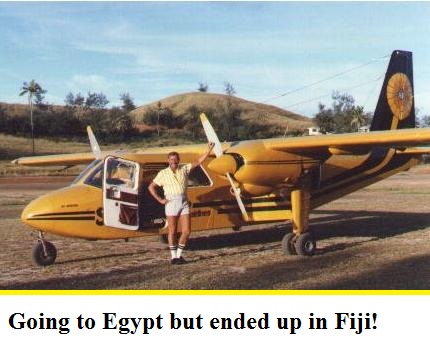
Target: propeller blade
[(211, 135), (238, 198), (94, 144)]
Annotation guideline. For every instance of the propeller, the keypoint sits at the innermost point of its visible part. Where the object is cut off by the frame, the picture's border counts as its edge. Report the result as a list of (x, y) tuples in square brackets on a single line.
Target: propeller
[(94, 144), (212, 137)]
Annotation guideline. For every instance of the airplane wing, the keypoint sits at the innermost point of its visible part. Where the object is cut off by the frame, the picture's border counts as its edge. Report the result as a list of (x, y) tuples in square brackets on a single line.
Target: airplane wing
[(57, 159), (354, 143)]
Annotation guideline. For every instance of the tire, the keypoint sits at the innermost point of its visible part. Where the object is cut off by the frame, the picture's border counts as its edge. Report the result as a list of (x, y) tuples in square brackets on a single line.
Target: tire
[(305, 244), (287, 243), (39, 256)]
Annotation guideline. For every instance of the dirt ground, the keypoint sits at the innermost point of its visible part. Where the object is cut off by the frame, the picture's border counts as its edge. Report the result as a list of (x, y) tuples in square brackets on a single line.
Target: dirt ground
[(376, 238)]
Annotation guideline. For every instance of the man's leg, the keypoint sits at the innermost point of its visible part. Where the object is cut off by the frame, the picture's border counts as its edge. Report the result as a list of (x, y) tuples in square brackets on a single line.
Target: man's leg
[(172, 222), (185, 222)]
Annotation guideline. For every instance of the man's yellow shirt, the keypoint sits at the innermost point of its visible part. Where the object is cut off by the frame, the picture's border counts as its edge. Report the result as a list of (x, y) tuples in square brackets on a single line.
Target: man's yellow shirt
[(173, 183)]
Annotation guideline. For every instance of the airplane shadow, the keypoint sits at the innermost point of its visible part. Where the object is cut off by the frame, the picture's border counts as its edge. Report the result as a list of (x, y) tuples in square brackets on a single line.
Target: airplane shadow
[(409, 273), (333, 223), (106, 256)]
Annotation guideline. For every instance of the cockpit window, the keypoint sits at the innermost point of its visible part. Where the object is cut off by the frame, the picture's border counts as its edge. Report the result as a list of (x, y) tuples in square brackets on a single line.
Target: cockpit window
[(198, 178), (96, 177), (86, 171)]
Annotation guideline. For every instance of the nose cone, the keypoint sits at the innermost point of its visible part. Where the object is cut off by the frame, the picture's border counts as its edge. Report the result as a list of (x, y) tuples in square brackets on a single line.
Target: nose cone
[(224, 164), (36, 212)]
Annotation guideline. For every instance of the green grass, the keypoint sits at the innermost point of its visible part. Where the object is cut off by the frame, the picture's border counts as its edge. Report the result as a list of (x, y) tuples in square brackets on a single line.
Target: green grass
[(12, 147)]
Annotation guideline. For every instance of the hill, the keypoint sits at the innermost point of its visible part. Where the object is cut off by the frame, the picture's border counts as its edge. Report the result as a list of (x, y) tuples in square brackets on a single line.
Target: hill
[(251, 111)]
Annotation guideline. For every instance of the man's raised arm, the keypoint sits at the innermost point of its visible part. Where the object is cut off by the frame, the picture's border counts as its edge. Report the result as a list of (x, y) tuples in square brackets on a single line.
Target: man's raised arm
[(203, 157)]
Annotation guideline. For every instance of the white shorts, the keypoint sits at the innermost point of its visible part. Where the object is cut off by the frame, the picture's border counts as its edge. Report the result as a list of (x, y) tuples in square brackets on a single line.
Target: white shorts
[(177, 205)]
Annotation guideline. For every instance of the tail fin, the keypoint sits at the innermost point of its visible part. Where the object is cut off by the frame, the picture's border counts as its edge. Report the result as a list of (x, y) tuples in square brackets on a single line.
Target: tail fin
[(396, 107)]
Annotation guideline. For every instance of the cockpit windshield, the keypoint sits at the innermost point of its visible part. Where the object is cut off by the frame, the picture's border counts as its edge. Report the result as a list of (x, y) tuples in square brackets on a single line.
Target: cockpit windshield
[(91, 167)]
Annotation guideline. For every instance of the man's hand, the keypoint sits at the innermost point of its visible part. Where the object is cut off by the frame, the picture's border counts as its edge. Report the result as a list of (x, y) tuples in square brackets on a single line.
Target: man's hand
[(164, 201)]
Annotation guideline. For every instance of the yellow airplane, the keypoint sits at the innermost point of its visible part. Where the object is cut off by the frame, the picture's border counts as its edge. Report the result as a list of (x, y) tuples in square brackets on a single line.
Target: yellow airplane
[(241, 183)]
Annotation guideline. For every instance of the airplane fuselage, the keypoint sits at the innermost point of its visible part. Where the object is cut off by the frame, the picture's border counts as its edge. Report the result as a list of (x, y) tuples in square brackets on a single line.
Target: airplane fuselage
[(77, 210)]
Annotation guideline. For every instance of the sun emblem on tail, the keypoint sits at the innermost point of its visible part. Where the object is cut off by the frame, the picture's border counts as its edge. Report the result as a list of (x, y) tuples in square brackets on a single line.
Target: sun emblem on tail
[(399, 95)]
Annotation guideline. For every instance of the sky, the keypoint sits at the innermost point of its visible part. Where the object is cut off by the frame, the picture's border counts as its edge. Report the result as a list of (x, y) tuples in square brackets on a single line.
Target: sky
[(272, 52)]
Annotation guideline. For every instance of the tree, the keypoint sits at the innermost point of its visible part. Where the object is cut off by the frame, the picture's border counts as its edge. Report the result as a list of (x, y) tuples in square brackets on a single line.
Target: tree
[(343, 116), (227, 120), (162, 116), (34, 93), (75, 101), (192, 122), (127, 102), (425, 121), (96, 100), (70, 99), (203, 87), (159, 111), (359, 118), (39, 101), (324, 119), (229, 89)]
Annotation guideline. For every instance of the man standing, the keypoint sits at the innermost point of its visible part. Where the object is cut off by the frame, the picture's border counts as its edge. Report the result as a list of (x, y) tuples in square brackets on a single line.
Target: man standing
[(174, 181)]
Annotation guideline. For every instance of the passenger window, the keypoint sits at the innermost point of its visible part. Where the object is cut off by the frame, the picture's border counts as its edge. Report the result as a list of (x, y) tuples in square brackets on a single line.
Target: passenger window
[(120, 173)]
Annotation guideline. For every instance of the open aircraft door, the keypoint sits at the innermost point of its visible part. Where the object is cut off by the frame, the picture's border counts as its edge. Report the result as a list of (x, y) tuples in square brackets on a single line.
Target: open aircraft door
[(120, 193)]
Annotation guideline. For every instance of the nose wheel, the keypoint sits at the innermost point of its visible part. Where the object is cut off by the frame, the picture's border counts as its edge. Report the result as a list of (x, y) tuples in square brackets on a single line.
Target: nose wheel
[(44, 252)]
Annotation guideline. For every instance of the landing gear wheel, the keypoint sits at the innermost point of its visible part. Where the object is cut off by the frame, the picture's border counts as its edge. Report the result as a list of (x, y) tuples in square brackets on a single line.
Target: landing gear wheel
[(236, 228), (44, 253), (288, 244), (305, 244)]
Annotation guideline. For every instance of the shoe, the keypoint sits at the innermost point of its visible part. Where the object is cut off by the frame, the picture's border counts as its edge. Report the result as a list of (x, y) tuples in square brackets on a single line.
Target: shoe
[(181, 261), (174, 261)]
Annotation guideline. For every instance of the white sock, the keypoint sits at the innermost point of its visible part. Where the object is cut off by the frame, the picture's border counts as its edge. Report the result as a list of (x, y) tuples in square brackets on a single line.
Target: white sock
[(181, 248), (173, 251)]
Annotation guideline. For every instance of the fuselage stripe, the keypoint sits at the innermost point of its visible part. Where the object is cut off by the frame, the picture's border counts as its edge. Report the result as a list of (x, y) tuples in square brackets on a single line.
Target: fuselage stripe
[(76, 218), (278, 162), (234, 202), (251, 210), (66, 213)]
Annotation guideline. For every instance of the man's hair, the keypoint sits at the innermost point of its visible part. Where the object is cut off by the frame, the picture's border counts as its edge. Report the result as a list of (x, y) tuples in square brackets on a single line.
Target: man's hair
[(171, 154)]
